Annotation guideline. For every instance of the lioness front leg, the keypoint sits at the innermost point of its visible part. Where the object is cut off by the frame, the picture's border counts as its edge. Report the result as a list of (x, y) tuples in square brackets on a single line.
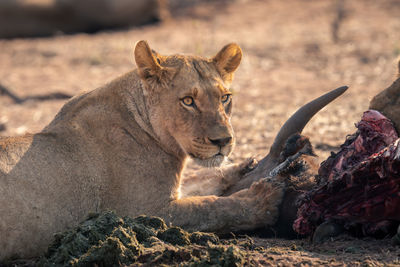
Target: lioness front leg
[(215, 181), (250, 208)]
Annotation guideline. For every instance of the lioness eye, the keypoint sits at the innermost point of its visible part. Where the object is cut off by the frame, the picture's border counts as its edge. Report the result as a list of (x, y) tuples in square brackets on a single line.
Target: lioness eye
[(188, 101), (225, 98)]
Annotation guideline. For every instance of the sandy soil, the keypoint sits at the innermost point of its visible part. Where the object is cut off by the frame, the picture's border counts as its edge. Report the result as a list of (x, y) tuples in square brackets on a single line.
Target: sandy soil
[(291, 55)]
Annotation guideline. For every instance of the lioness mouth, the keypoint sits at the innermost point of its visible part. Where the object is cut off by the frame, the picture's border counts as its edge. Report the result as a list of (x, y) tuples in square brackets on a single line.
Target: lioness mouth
[(219, 154), (213, 161)]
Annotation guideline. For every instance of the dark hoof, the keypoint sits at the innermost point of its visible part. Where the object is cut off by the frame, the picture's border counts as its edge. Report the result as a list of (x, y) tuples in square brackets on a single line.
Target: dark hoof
[(396, 238), (325, 231)]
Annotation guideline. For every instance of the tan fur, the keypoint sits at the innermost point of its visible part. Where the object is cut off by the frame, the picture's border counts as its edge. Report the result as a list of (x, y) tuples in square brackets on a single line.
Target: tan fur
[(123, 147)]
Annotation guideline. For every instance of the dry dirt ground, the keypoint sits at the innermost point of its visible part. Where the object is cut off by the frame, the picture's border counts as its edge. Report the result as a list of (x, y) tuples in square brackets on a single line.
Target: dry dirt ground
[(294, 51)]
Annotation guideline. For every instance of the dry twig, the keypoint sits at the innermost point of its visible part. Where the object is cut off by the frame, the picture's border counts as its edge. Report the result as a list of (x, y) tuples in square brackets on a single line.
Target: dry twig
[(18, 100)]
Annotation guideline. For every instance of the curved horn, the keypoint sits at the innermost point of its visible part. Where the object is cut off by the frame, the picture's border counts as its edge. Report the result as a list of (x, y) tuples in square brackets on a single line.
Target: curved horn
[(297, 122)]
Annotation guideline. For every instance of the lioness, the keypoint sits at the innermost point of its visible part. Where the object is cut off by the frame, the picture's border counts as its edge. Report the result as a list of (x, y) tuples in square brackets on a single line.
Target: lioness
[(123, 147)]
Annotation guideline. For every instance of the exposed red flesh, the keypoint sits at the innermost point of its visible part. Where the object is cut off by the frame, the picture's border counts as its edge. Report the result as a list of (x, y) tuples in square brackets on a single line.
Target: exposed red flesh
[(359, 185)]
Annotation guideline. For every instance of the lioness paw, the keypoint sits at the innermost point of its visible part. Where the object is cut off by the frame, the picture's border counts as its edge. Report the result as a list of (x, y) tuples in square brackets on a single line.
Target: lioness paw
[(247, 166)]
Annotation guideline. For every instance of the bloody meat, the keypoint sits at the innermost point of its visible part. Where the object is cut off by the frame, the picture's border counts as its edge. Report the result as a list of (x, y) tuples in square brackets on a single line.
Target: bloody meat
[(358, 187)]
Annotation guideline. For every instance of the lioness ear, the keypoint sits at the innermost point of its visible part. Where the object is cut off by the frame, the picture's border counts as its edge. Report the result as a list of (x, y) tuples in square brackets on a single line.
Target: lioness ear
[(146, 62), (227, 61), (150, 70)]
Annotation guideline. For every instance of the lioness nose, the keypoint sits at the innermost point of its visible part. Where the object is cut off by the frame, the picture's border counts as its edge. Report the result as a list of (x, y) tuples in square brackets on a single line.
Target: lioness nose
[(221, 142)]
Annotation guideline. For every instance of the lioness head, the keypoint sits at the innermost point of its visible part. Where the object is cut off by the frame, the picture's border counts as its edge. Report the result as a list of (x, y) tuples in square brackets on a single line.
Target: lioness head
[(189, 102)]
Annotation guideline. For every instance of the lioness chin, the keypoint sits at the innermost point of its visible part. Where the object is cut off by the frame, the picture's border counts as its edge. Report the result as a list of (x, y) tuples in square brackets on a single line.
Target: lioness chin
[(123, 147)]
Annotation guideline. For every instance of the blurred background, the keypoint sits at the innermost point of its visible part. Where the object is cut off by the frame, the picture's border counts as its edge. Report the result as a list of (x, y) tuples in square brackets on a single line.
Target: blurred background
[(294, 51)]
